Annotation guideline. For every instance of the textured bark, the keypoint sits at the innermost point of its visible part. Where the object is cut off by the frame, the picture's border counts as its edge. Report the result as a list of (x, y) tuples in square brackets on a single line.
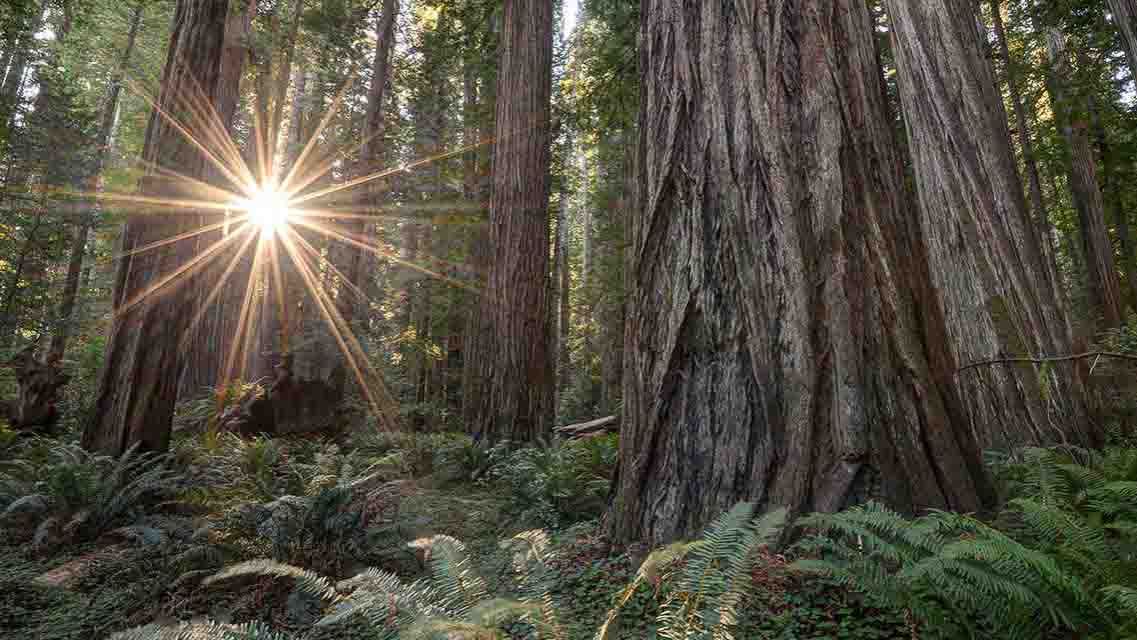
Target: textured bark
[(215, 336), (138, 385), (37, 390), (1042, 223), (513, 391), (1072, 111), (987, 270), (478, 174), (775, 349), (1125, 17)]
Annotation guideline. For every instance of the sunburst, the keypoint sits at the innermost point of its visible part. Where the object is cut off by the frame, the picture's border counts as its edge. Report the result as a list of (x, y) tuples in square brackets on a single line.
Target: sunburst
[(262, 209)]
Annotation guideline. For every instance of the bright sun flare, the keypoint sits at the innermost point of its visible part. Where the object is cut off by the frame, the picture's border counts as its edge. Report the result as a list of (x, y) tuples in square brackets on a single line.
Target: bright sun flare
[(268, 210)]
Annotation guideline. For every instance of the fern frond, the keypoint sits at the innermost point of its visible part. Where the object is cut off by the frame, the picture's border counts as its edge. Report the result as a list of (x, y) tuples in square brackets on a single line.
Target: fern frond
[(306, 581), (452, 573)]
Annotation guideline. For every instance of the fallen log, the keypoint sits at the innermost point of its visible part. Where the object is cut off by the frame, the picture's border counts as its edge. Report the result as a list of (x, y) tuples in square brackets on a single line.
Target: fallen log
[(608, 424)]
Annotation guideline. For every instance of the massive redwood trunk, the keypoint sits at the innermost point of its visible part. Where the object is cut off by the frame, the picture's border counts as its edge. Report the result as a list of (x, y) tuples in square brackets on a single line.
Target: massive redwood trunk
[(1073, 121), (775, 344), (512, 392), (138, 385), (988, 273)]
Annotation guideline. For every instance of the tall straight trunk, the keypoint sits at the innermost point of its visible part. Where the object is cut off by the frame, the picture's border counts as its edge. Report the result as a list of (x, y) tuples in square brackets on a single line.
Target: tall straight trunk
[(353, 258), (1042, 223), (786, 363), (139, 382), (987, 271), (1125, 17), (214, 342), (478, 176), (21, 56), (1115, 193), (284, 74), (514, 385), (82, 231), (1072, 115), (562, 281)]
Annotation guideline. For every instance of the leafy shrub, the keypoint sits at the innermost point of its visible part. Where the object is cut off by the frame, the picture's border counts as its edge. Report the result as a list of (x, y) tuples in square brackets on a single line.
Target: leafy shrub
[(77, 495)]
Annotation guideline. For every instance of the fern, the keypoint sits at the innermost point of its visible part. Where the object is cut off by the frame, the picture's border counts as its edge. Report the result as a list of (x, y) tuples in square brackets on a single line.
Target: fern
[(306, 581), (78, 495), (713, 581)]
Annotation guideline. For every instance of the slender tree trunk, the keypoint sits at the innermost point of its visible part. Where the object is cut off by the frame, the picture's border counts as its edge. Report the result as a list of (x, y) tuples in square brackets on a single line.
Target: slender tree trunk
[(786, 363), (79, 243), (13, 82), (478, 170), (1125, 17), (138, 385), (284, 74), (1072, 112), (987, 271), (514, 386), (563, 283), (1115, 194), (354, 258), (1042, 223)]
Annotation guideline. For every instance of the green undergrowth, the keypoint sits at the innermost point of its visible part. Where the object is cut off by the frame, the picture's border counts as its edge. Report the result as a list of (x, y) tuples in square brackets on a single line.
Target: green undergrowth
[(272, 538)]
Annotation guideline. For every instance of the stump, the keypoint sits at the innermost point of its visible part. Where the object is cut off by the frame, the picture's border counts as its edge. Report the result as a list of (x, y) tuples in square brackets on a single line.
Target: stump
[(37, 390), (290, 405)]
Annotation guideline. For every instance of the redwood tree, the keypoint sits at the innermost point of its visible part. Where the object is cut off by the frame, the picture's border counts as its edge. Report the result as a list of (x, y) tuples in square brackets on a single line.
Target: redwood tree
[(777, 346), (511, 394), (1125, 16), (1073, 120), (139, 382), (988, 273)]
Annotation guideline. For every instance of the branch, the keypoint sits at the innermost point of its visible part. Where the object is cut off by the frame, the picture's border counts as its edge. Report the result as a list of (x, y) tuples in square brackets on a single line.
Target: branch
[(1079, 356)]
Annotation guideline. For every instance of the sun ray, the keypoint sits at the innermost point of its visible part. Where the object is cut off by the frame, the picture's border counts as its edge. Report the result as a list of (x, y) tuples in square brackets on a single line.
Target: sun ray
[(316, 257), (181, 236), (245, 319), (190, 138), (286, 184), (187, 269), (355, 182), (346, 339), (347, 239), (219, 286)]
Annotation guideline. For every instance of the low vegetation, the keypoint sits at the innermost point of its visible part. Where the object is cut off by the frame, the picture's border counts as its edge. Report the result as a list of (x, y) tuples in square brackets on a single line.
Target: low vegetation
[(401, 535)]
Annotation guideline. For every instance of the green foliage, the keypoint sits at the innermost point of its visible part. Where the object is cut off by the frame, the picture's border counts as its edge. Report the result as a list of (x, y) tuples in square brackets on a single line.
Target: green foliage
[(714, 579), (1062, 556), (76, 495), (560, 483)]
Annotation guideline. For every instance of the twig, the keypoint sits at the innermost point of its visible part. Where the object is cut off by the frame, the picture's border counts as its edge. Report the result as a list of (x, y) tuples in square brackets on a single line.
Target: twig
[(1079, 356)]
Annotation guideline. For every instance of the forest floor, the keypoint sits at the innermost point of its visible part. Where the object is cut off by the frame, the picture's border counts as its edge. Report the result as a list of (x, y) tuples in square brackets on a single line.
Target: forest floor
[(92, 547)]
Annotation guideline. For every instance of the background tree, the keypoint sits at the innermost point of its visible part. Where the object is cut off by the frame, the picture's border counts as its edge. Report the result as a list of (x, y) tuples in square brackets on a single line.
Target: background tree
[(138, 387), (514, 387)]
